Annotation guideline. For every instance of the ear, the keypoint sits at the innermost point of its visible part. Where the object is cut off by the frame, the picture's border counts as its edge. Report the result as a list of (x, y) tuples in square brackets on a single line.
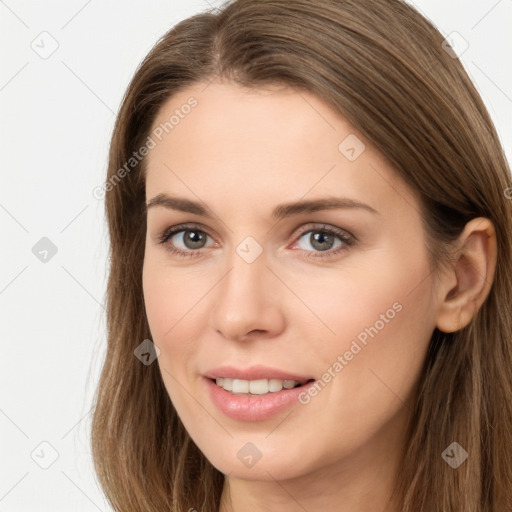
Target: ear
[(466, 285)]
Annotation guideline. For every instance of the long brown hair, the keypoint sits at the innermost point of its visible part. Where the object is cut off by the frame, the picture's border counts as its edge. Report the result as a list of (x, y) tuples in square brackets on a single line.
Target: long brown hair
[(384, 67)]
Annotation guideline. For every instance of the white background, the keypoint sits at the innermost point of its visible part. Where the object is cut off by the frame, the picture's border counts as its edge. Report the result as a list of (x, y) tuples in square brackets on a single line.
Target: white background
[(56, 119)]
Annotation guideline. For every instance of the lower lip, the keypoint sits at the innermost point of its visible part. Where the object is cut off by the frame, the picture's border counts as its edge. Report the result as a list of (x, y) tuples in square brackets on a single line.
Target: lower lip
[(254, 407)]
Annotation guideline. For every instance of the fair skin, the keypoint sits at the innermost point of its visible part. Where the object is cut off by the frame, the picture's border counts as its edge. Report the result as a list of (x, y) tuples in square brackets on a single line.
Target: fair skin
[(240, 154)]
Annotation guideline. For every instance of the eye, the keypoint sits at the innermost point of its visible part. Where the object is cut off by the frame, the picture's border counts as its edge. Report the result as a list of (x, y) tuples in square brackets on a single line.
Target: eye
[(184, 240), (188, 240), (324, 239)]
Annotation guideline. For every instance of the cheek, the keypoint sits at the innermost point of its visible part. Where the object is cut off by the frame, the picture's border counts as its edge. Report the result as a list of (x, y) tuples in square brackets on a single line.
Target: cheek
[(158, 300), (377, 322), (176, 310), (163, 312), (170, 295), (166, 306)]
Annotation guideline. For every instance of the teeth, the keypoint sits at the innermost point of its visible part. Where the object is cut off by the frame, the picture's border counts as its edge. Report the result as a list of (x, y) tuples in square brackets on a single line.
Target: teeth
[(289, 384), (255, 387)]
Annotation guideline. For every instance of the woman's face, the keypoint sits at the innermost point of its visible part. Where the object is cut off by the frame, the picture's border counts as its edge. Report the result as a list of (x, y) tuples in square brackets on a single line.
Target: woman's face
[(260, 291)]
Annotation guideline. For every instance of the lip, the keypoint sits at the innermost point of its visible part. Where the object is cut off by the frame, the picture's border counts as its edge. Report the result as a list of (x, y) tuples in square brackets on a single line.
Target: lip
[(254, 373), (245, 407)]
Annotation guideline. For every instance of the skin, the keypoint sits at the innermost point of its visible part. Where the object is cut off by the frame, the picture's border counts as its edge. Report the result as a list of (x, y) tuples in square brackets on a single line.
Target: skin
[(242, 152)]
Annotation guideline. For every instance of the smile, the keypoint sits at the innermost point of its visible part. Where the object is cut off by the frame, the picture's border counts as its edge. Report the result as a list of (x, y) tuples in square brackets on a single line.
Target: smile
[(257, 387)]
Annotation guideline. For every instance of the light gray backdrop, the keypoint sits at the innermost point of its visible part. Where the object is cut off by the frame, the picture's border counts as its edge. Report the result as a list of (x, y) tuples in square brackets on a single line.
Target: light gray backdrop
[(64, 68)]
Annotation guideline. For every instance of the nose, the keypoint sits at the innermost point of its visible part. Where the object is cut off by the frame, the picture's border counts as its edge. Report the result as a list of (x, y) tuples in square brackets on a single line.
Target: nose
[(248, 301)]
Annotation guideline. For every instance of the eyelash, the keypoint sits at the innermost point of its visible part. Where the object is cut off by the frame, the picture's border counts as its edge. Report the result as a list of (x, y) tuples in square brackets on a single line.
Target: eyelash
[(347, 240)]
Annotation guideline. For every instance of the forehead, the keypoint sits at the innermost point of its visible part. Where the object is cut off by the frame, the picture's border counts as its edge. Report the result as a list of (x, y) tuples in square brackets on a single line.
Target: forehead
[(277, 118), (263, 146)]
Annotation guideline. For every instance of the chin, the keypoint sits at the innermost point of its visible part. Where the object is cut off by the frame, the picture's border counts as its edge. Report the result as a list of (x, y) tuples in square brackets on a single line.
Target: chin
[(253, 461)]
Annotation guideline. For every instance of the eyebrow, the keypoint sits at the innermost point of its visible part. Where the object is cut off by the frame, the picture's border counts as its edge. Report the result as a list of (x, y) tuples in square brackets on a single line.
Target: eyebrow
[(279, 212)]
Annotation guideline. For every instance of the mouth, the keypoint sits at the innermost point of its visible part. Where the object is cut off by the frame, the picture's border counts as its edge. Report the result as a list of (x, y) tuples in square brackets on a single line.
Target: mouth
[(259, 386), (263, 393)]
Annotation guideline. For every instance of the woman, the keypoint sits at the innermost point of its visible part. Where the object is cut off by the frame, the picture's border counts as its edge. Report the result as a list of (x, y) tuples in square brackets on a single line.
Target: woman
[(310, 283)]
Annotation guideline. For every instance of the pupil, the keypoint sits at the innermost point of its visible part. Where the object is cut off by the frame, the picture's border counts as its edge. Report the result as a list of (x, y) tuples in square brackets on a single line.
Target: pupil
[(320, 238), (194, 239)]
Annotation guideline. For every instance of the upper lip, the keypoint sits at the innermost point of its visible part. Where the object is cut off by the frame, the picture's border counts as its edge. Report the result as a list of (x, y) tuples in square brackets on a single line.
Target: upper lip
[(254, 373)]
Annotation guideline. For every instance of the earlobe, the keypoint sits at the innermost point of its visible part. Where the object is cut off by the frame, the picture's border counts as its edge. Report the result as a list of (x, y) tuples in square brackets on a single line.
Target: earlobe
[(467, 284)]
